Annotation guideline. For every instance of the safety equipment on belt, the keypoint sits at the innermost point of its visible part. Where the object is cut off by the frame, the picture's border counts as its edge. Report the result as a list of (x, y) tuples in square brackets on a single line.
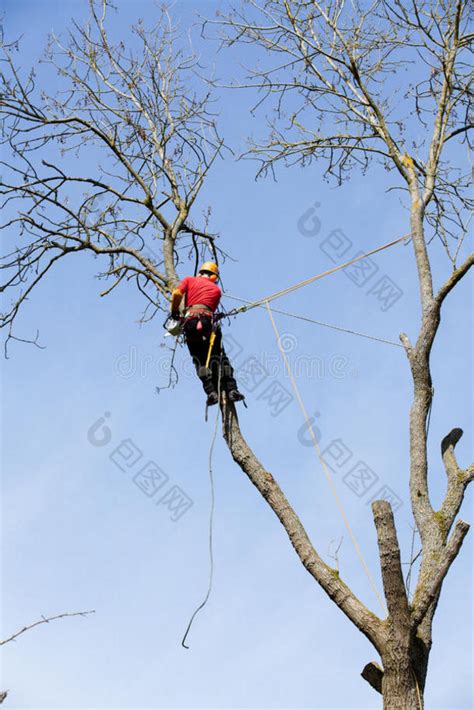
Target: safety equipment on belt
[(236, 396), (211, 345), (212, 268), (199, 309), (212, 398)]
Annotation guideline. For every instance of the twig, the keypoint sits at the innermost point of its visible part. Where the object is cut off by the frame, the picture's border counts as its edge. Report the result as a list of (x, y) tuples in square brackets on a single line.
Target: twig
[(45, 620)]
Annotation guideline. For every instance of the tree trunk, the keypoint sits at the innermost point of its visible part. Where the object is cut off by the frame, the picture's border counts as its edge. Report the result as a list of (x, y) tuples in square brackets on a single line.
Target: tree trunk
[(399, 685)]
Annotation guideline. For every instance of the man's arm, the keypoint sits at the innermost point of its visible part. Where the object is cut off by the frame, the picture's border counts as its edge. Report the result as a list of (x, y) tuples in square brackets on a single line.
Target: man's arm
[(177, 296)]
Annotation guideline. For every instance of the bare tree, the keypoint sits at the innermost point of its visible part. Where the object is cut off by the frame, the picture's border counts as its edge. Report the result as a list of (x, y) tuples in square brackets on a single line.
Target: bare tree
[(334, 74), (385, 81), (154, 142)]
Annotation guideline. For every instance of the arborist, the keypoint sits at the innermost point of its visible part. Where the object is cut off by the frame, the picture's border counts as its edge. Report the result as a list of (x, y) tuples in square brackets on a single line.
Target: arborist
[(203, 334)]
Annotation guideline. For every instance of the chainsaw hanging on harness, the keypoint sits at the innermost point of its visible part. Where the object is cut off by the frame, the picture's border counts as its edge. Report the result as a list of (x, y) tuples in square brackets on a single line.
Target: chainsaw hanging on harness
[(174, 326)]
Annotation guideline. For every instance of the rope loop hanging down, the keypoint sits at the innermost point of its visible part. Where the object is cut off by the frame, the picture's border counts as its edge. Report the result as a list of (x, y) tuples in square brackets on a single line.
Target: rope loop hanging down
[(211, 516)]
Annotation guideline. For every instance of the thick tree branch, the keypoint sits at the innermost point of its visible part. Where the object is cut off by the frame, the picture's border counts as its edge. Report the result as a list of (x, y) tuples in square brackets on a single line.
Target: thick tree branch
[(428, 591), (328, 578), (455, 277), (390, 562), (458, 480), (419, 358)]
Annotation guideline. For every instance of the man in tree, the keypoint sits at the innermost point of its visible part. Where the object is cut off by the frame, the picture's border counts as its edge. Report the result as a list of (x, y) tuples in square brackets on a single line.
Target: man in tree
[(203, 335), (158, 139)]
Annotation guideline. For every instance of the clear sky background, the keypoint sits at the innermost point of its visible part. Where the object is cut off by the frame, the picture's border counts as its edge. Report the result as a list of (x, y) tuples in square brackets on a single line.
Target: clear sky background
[(79, 534)]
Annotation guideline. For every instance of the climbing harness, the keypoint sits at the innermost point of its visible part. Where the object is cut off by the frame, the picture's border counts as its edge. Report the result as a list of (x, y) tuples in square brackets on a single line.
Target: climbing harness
[(323, 463)]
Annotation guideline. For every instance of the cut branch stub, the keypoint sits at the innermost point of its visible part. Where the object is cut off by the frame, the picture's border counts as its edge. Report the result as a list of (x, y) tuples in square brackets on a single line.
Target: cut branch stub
[(390, 562), (373, 674), (451, 439)]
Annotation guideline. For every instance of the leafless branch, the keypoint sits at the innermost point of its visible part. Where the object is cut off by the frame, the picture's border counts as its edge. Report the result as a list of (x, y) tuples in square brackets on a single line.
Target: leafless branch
[(428, 593), (328, 77), (144, 134), (44, 620)]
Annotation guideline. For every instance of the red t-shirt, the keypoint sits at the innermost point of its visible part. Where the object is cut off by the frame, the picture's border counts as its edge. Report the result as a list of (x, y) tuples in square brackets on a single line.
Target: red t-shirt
[(199, 289)]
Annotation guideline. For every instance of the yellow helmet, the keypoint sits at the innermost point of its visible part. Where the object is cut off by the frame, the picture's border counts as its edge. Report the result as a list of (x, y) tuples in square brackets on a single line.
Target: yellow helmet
[(212, 267)]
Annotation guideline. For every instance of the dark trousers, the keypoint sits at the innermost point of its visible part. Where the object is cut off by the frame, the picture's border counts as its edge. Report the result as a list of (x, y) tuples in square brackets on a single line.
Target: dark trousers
[(197, 340)]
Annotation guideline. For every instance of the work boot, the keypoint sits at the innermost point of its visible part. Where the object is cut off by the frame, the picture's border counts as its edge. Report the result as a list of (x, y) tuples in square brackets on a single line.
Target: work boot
[(212, 398), (235, 396)]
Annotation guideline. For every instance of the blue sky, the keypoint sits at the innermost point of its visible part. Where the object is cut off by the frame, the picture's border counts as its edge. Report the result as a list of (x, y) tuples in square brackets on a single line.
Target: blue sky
[(79, 534)]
